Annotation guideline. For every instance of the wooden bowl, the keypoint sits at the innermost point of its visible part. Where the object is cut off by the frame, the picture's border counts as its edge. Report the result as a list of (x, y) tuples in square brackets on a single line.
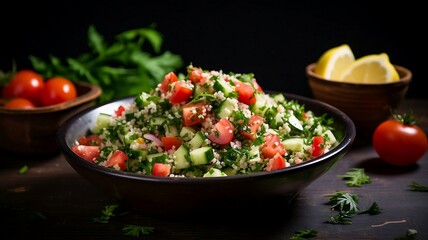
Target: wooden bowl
[(366, 104), (33, 131)]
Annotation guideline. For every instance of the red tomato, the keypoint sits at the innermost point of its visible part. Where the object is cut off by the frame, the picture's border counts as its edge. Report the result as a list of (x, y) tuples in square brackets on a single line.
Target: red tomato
[(19, 103), (223, 132), (399, 141), (118, 157), (170, 143), (57, 90), (90, 140), (119, 111), (194, 113), (89, 153), (161, 169), (26, 84), (195, 74), (168, 80), (181, 92), (254, 125), (272, 146), (277, 162), (245, 93), (317, 146)]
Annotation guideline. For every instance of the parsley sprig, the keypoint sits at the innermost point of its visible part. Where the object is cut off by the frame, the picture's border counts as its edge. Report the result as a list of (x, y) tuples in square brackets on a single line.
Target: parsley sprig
[(136, 231), (346, 204), (414, 186), (303, 234), (106, 214), (356, 177)]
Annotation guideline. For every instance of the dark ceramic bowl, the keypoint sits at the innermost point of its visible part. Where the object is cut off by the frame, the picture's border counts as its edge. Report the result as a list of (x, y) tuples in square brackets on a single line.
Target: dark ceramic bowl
[(32, 132), (366, 104), (201, 197)]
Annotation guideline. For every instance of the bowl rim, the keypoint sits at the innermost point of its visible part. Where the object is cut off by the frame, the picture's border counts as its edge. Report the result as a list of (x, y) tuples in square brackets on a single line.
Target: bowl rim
[(94, 92), (72, 158), (404, 79)]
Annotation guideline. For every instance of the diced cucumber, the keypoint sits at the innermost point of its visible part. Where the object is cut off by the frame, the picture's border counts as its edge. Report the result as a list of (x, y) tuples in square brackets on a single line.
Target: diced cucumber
[(294, 122), (260, 106), (293, 144), (197, 140), (182, 157), (157, 157), (170, 130), (254, 155), (202, 155), (102, 121), (157, 121), (331, 139), (215, 172), (187, 133), (144, 99), (127, 138), (221, 85), (225, 109), (278, 97)]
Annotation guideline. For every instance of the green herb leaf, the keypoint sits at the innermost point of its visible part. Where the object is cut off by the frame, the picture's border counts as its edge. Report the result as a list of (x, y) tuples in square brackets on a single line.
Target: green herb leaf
[(303, 234), (23, 169), (410, 235), (355, 177), (373, 209), (414, 186), (345, 204), (135, 230), (106, 214)]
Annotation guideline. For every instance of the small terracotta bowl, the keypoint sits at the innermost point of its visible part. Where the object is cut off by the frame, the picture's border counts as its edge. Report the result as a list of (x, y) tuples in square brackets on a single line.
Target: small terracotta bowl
[(33, 131), (366, 104)]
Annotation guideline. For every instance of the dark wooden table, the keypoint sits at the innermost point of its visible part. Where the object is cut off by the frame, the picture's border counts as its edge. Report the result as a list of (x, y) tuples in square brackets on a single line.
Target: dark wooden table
[(51, 201)]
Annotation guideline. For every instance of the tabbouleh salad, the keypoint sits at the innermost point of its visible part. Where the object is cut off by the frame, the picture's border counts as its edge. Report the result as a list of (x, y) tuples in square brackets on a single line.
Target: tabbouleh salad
[(206, 124)]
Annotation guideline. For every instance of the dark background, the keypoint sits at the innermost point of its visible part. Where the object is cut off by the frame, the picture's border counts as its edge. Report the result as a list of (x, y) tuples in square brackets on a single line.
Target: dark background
[(274, 40)]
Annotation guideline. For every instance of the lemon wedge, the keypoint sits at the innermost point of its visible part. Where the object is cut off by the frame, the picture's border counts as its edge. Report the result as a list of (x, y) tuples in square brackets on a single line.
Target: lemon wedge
[(334, 62), (374, 68)]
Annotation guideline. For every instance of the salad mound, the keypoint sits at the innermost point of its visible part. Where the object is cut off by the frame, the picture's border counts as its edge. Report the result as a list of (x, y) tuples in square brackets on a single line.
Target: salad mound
[(206, 124)]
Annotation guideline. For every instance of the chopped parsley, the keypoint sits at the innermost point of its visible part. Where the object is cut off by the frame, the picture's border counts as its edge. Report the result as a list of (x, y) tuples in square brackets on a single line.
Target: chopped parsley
[(414, 186), (136, 231), (355, 177)]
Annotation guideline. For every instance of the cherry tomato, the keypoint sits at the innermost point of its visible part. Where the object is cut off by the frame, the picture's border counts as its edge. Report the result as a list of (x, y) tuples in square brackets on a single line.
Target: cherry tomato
[(26, 84), (272, 146), (57, 90), (168, 80), (118, 157), (20, 103), (223, 132), (398, 141), (161, 169)]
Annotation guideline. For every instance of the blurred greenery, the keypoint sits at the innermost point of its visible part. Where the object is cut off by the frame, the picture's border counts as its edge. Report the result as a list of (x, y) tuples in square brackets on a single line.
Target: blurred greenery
[(133, 63)]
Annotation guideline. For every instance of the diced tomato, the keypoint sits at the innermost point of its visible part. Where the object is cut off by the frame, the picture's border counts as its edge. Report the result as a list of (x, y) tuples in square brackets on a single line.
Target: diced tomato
[(277, 162), (223, 132), (120, 111), (305, 115), (194, 113), (256, 85), (170, 143), (254, 125), (161, 169), (245, 93), (195, 74), (89, 153), (168, 80), (317, 146), (90, 140), (272, 146), (118, 157), (181, 92)]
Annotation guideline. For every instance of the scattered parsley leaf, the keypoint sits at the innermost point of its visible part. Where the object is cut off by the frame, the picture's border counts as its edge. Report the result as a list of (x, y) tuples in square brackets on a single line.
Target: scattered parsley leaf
[(106, 214), (23, 169), (373, 209), (410, 235), (414, 186), (303, 234), (135, 230), (356, 177)]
